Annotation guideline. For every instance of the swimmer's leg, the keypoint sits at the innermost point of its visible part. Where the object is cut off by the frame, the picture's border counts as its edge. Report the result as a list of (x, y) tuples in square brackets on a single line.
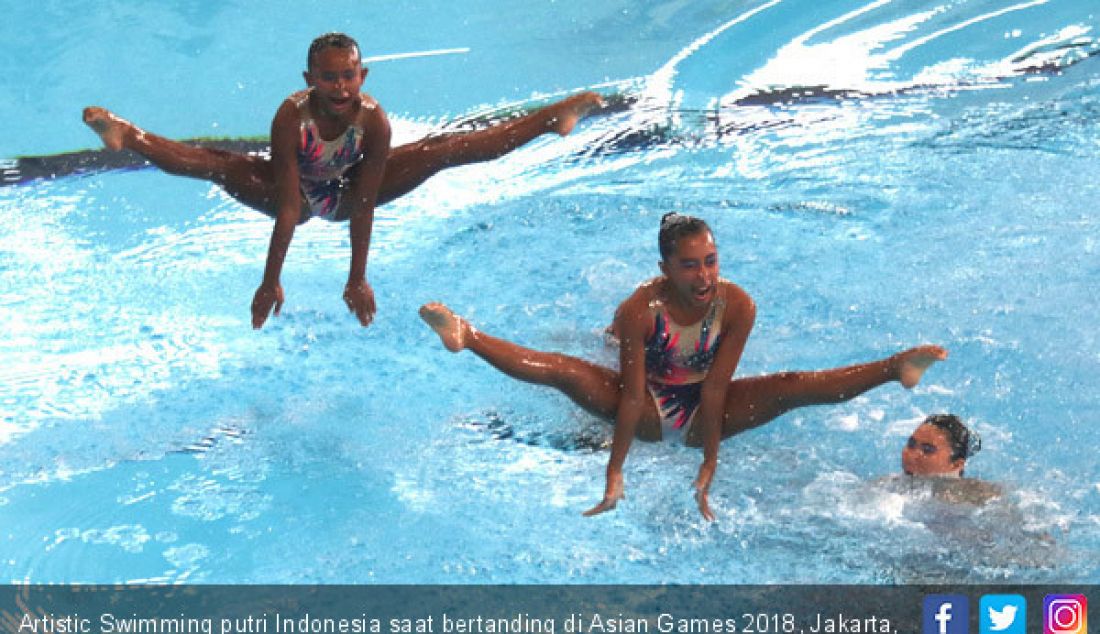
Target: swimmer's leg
[(751, 402), (249, 179), (410, 165), (593, 387)]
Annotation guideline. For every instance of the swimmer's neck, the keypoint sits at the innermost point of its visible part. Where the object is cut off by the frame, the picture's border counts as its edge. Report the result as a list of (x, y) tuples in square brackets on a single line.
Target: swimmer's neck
[(682, 306)]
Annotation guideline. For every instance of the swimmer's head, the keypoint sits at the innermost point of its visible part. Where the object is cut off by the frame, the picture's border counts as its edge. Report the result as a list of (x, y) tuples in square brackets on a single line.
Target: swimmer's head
[(335, 75), (689, 259), (675, 226), (940, 446), (331, 40)]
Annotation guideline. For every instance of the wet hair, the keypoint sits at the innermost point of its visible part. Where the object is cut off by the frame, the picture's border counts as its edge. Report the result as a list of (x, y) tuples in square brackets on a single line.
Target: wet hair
[(964, 441), (675, 226), (330, 40)]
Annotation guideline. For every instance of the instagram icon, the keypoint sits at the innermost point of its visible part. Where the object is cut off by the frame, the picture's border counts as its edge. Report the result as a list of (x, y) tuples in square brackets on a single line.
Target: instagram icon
[(1065, 614)]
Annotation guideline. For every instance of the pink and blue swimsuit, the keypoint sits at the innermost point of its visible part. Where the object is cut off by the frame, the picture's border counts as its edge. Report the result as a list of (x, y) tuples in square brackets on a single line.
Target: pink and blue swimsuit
[(677, 359), (323, 165)]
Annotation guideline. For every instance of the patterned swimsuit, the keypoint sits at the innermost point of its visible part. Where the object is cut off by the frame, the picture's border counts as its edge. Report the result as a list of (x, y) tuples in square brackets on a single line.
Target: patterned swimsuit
[(677, 359), (323, 165)]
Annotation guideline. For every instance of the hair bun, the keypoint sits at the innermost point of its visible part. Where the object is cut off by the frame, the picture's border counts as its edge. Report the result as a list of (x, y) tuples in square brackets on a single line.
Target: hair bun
[(973, 443)]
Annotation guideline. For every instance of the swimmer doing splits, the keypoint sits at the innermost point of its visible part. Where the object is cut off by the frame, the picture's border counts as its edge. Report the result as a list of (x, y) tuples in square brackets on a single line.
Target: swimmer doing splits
[(331, 158), (682, 335)]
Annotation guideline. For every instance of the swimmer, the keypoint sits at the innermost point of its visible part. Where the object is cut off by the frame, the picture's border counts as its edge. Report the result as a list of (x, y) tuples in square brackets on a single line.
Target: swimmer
[(936, 454), (331, 158), (939, 447), (682, 335)]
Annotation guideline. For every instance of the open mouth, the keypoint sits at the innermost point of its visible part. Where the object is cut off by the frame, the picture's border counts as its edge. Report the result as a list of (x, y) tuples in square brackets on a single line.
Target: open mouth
[(702, 294), (340, 103)]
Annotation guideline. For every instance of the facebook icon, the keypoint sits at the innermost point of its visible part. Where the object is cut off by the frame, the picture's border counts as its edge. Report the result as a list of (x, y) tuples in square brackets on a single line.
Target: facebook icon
[(946, 614)]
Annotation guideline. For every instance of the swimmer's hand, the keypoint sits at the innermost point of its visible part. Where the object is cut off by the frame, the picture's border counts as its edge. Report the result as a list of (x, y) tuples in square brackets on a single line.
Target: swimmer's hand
[(359, 297), (702, 499), (702, 491), (266, 297), (612, 494)]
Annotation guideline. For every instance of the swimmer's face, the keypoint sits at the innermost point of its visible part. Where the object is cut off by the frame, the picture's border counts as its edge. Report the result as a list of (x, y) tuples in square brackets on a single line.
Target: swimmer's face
[(692, 268), (928, 453), (336, 75)]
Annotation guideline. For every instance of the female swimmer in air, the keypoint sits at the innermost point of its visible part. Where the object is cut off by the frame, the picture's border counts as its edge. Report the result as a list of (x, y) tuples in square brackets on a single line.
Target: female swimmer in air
[(331, 159)]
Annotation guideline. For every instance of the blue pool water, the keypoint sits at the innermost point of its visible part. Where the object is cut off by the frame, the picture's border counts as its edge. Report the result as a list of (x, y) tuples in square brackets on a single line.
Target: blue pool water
[(878, 174)]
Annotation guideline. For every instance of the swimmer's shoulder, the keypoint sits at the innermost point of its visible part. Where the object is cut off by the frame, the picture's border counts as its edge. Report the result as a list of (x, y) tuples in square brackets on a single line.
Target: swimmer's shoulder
[(650, 289), (739, 304), (371, 117), (966, 490), (733, 294), (286, 124), (290, 115), (368, 102), (643, 296), (295, 108), (970, 491), (633, 314), (299, 97)]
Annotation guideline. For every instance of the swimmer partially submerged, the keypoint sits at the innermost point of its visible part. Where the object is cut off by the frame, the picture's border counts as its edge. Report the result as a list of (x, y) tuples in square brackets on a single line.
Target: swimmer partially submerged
[(939, 447), (682, 335), (935, 456)]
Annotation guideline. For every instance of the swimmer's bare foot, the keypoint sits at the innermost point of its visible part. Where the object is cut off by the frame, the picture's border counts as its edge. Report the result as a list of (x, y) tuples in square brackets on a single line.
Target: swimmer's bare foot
[(451, 328), (571, 110), (912, 363), (110, 128)]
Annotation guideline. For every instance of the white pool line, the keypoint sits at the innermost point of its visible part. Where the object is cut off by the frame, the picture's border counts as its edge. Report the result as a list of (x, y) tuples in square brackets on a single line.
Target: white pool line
[(433, 53)]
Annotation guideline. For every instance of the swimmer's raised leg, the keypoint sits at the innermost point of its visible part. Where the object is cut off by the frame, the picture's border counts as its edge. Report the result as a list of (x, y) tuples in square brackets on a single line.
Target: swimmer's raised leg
[(593, 387), (912, 363), (750, 402), (450, 327), (247, 178), (753, 401), (110, 127), (412, 164), (250, 179), (563, 116)]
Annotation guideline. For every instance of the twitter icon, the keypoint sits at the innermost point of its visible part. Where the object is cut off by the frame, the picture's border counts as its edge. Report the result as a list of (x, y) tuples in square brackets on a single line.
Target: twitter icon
[(1002, 614)]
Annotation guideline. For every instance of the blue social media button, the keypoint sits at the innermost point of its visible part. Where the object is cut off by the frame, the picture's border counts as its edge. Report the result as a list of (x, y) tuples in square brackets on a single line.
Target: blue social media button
[(946, 614), (1002, 614)]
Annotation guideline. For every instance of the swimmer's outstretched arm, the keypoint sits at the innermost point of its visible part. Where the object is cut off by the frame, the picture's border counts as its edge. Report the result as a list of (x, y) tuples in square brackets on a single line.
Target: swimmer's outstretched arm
[(362, 197), (284, 161), (631, 326), (737, 323)]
